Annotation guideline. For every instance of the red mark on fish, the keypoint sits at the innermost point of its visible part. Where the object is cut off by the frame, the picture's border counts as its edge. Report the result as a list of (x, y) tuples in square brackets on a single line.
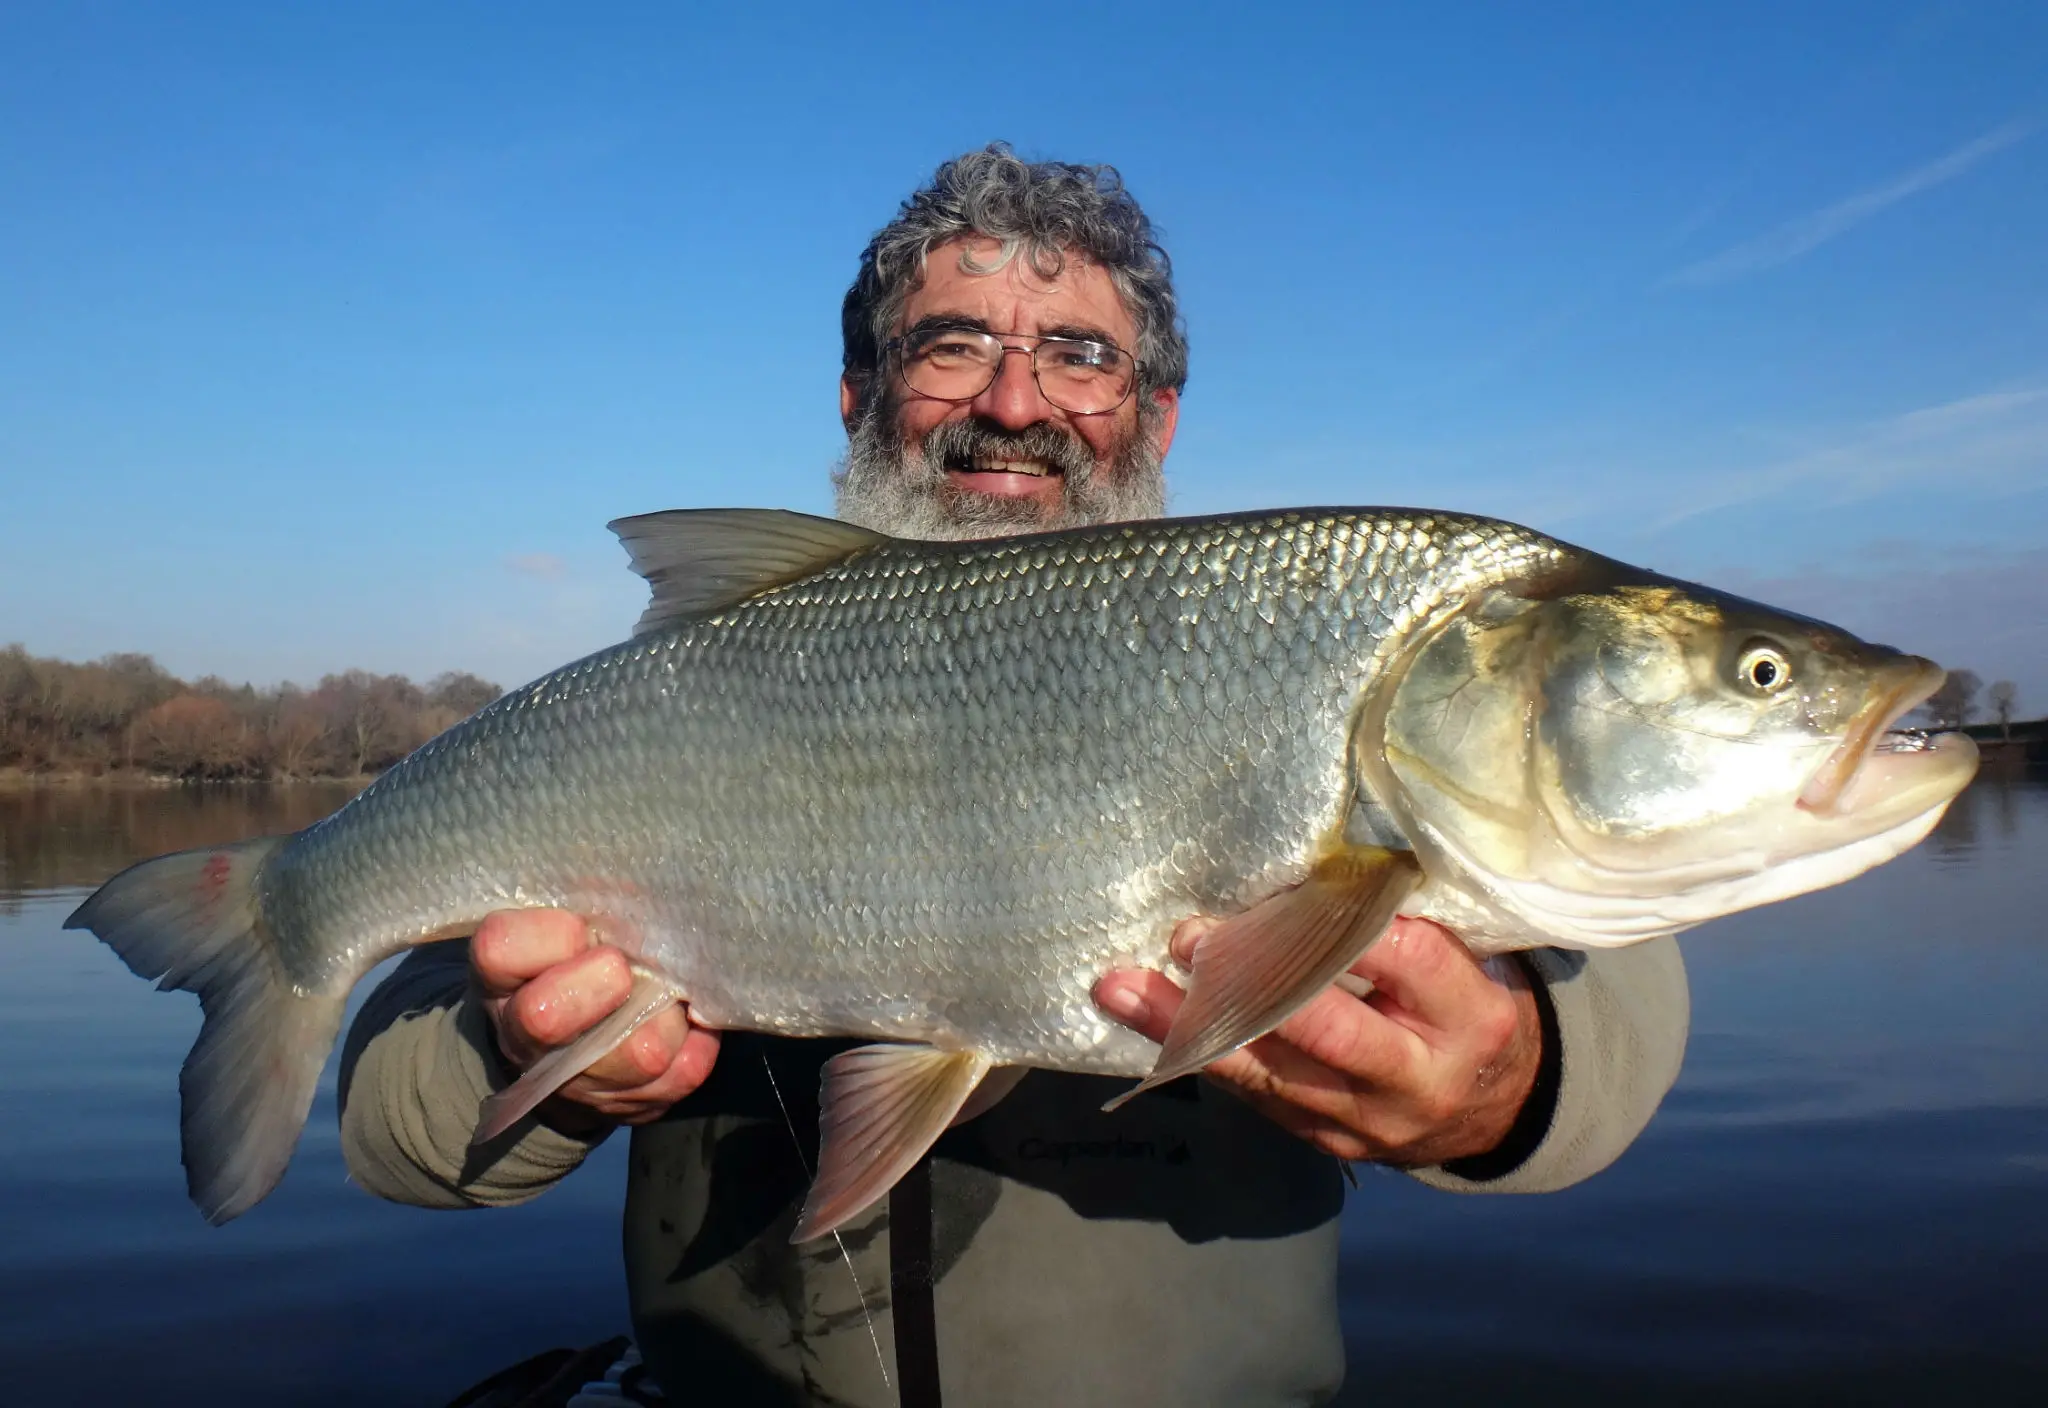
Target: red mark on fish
[(213, 877)]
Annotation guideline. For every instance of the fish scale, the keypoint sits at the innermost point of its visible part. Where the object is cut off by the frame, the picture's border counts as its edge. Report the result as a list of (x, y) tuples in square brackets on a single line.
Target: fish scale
[(843, 785), (930, 774)]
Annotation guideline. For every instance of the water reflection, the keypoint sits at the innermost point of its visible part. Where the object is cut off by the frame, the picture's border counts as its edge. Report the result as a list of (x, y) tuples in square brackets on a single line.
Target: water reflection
[(1845, 1199), (68, 837), (113, 1290), (1992, 803)]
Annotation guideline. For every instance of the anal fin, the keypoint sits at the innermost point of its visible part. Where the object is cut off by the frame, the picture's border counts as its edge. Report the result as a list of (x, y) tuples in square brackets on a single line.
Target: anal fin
[(879, 1109), (995, 1087), (650, 994), (1256, 969)]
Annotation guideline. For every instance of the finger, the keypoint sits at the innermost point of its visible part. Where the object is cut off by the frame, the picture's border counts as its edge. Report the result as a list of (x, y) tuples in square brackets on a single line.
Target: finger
[(1323, 1055), (689, 1070), (686, 1070), (1328, 1056), (512, 946), (564, 1001), (1415, 957), (1339, 1073), (1187, 934), (1141, 999), (644, 1054), (1422, 975)]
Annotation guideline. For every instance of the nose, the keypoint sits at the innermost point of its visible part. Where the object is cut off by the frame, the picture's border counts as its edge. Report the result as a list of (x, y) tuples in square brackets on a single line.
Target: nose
[(1013, 399)]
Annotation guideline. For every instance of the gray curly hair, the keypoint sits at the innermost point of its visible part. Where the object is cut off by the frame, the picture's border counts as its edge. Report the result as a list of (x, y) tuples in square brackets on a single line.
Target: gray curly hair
[(1041, 209)]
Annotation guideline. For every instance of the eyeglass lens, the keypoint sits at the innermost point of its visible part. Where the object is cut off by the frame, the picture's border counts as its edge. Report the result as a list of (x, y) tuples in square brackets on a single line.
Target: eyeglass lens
[(958, 364)]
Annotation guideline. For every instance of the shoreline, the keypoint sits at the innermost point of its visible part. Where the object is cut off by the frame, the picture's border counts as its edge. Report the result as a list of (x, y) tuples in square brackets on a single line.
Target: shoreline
[(16, 780)]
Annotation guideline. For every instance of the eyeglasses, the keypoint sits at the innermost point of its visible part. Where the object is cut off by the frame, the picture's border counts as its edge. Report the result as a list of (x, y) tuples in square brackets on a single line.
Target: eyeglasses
[(958, 364)]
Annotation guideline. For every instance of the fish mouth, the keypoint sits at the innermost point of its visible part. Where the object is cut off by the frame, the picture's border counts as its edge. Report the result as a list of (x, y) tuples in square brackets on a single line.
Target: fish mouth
[(1873, 747)]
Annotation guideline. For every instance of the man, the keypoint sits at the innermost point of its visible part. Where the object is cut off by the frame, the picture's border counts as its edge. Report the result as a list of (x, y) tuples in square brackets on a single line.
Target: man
[(1013, 361)]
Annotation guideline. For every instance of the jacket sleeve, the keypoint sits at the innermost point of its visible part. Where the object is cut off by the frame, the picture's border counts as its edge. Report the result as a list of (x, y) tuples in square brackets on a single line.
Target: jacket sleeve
[(418, 1061), (1615, 1026)]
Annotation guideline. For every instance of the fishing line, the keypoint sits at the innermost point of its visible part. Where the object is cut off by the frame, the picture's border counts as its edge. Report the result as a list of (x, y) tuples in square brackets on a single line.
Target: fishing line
[(804, 1163)]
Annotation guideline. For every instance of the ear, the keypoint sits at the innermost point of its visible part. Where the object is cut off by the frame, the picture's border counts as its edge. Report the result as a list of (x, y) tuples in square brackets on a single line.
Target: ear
[(1168, 402), (849, 402)]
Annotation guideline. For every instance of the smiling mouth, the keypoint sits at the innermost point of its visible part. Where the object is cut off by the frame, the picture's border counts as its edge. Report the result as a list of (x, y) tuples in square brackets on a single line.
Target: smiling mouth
[(990, 464)]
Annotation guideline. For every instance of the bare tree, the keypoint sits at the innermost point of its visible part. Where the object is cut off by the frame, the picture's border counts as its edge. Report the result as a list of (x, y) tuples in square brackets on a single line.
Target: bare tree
[(193, 736), (2003, 696), (451, 698), (376, 716), (1952, 704), (126, 712), (355, 713), (461, 692), (296, 738)]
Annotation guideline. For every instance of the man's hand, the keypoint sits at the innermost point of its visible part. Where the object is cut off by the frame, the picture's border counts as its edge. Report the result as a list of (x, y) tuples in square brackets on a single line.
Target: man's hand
[(546, 980), (1433, 1066)]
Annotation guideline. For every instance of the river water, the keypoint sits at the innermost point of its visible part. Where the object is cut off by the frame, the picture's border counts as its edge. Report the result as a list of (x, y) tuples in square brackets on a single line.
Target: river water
[(1844, 1200)]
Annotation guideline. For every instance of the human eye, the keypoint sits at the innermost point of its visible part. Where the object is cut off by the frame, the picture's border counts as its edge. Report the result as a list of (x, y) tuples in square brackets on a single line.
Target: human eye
[(1076, 356), (949, 346)]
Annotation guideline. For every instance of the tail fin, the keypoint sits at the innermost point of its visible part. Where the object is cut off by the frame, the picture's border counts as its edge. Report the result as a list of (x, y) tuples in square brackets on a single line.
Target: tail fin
[(193, 921)]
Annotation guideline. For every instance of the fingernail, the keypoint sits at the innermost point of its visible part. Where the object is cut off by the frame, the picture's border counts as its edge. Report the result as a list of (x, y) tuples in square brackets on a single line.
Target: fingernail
[(1125, 1004), (1186, 936)]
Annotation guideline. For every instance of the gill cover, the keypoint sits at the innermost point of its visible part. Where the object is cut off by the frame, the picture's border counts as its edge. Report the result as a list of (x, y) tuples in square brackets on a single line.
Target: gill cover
[(1458, 730), (1630, 758)]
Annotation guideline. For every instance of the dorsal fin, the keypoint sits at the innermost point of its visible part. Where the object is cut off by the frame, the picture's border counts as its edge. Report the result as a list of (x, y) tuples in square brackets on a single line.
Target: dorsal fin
[(700, 560)]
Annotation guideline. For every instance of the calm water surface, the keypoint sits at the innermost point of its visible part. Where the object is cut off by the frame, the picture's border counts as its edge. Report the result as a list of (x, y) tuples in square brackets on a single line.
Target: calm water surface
[(1844, 1200)]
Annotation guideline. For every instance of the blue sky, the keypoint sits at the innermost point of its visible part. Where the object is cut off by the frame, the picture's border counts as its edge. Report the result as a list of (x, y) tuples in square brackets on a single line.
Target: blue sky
[(331, 336)]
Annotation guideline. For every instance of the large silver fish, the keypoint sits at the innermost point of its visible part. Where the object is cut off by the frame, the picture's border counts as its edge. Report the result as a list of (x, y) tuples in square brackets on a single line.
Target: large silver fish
[(840, 784)]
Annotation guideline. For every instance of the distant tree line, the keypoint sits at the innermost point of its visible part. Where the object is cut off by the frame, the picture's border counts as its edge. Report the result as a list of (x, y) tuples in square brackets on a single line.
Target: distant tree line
[(127, 714), (1955, 703)]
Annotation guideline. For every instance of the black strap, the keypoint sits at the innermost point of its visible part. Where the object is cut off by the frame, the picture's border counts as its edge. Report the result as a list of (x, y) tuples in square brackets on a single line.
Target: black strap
[(910, 1288)]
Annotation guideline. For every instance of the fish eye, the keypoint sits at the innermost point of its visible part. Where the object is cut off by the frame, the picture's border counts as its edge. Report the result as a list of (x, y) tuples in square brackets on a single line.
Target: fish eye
[(1763, 668)]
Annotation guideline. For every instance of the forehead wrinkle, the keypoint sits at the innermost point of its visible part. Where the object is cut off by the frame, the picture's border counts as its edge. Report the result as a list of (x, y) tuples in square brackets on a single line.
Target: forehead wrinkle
[(1075, 280)]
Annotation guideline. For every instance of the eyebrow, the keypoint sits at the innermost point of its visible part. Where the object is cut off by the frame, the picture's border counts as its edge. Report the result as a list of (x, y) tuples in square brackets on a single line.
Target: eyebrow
[(1076, 332), (931, 322)]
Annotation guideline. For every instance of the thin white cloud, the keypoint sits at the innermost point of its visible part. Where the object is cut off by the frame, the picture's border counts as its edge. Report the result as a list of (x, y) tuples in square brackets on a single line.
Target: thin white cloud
[(1595, 483), (1809, 232), (544, 565), (1992, 442), (1618, 487)]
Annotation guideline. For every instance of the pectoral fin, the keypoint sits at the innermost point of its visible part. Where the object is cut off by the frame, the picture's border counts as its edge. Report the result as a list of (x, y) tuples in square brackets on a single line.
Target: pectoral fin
[(650, 994), (879, 1109), (1255, 970)]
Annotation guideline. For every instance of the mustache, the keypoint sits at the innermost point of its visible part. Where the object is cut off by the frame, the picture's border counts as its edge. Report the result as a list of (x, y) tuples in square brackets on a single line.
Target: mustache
[(961, 442), (898, 485)]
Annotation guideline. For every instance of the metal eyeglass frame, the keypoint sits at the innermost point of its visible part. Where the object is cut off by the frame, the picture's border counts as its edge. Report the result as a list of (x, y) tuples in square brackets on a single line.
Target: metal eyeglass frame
[(895, 345)]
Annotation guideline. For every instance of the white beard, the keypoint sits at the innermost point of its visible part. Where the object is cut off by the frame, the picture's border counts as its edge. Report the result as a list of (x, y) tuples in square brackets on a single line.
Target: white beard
[(896, 488)]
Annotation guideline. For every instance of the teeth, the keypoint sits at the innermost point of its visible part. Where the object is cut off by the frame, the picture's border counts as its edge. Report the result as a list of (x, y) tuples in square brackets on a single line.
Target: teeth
[(1035, 468)]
